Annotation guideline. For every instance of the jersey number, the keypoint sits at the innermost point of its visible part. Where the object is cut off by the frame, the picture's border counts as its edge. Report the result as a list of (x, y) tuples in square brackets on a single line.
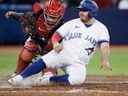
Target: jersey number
[(90, 50)]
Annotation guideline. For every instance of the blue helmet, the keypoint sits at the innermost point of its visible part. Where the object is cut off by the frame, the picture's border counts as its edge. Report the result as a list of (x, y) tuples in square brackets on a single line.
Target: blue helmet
[(89, 5)]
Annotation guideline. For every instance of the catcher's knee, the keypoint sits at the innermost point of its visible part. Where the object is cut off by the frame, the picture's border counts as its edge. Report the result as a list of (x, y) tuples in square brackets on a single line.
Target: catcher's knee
[(28, 51)]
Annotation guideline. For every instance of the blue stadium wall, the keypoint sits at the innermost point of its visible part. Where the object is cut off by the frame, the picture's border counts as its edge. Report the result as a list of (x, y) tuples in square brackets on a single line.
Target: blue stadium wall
[(115, 20)]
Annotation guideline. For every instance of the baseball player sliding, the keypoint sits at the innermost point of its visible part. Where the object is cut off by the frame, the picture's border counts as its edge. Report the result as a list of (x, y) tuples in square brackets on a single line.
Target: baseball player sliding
[(79, 40)]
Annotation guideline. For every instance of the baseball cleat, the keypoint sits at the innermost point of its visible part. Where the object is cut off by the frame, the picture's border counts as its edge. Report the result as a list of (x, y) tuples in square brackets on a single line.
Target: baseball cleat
[(45, 79), (13, 75), (15, 81)]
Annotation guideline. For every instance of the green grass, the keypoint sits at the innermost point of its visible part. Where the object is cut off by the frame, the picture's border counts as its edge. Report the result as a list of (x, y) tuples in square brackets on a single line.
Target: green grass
[(8, 63), (118, 61)]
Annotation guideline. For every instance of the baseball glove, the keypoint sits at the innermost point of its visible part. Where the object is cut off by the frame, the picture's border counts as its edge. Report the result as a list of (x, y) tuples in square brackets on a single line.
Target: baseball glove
[(28, 23)]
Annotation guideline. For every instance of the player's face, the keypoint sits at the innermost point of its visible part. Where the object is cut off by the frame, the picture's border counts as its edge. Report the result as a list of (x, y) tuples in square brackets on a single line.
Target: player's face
[(51, 19), (84, 15)]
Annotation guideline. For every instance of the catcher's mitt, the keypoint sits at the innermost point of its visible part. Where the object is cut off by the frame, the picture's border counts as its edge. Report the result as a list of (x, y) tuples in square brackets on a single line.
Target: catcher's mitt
[(28, 23)]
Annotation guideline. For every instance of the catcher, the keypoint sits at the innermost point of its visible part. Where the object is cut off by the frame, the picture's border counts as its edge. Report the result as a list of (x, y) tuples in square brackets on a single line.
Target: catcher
[(40, 26)]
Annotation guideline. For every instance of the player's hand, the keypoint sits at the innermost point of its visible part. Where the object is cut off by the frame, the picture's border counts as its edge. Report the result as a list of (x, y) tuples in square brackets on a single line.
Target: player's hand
[(10, 14), (106, 65), (57, 47)]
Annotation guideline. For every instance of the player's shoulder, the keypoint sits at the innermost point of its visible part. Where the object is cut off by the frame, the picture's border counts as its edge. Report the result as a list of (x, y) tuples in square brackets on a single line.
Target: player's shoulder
[(101, 27), (73, 20), (100, 24)]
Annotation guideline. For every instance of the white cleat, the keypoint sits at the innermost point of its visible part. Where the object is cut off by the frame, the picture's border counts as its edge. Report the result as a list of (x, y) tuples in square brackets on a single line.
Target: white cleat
[(15, 81), (13, 75), (45, 79)]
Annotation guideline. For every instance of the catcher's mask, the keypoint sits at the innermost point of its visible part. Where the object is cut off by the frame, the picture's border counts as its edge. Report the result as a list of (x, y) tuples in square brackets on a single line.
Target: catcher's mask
[(53, 12)]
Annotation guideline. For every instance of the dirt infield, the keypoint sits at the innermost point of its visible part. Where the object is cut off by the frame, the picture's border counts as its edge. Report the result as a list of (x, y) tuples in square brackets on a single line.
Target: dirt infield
[(94, 86)]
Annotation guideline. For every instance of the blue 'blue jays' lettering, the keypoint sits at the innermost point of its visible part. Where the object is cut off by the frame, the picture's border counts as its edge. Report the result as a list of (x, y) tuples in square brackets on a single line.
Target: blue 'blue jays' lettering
[(77, 27), (91, 40), (74, 35)]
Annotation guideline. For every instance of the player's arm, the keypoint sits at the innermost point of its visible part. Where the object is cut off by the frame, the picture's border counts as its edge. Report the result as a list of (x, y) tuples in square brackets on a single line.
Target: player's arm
[(55, 41), (105, 56), (14, 15), (59, 35)]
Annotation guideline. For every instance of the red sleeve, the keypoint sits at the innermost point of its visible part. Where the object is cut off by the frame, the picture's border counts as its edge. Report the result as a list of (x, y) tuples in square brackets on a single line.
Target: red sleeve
[(56, 37), (36, 7)]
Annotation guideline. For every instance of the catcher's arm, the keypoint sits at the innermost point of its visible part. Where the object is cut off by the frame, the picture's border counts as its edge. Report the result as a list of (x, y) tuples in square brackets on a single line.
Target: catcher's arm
[(19, 17), (13, 15), (26, 20), (28, 23)]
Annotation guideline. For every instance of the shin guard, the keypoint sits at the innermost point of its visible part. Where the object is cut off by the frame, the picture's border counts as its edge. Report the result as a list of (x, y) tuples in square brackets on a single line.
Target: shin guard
[(26, 55)]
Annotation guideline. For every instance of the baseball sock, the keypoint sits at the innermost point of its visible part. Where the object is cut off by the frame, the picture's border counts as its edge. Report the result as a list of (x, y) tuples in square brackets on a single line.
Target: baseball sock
[(60, 79), (34, 68)]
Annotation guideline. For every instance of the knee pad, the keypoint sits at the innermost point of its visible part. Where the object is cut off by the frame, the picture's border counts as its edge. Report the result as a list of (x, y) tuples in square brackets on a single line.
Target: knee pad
[(28, 52)]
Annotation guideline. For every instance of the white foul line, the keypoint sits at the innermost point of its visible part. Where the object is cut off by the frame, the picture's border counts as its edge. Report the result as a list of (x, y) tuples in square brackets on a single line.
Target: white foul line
[(107, 82), (70, 91)]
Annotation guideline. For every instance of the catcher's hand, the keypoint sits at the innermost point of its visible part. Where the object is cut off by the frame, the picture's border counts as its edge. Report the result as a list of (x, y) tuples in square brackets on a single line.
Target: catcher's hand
[(10, 14), (28, 23)]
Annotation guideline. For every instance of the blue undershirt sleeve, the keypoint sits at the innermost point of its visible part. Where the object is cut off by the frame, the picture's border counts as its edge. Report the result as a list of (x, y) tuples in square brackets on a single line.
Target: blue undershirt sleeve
[(34, 68)]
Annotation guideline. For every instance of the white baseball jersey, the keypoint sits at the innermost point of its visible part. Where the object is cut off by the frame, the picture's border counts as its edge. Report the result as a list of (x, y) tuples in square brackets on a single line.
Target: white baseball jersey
[(80, 40), (78, 44)]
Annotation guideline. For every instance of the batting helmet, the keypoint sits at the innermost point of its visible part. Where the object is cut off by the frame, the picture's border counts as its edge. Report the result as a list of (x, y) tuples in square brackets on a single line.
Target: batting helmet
[(89, 5)]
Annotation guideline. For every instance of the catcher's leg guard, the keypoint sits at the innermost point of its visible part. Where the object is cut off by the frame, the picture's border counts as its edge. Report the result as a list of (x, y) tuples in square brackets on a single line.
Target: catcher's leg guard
[(54, 71), (26, 56)]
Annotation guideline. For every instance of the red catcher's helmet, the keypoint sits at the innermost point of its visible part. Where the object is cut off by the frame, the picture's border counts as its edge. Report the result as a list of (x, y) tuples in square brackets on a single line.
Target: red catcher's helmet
[(53, 12)]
